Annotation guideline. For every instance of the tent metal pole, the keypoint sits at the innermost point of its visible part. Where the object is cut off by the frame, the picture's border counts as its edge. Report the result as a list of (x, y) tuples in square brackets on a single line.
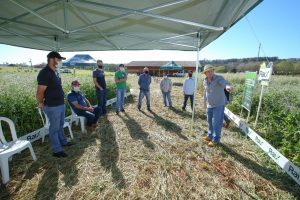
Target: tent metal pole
[(39, 16), (196, 79), (127, 15), (138, 12), (25, 14)]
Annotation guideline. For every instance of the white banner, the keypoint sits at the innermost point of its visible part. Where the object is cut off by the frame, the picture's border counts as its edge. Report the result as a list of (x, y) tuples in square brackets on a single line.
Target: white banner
[(37, 134), (291, 169)]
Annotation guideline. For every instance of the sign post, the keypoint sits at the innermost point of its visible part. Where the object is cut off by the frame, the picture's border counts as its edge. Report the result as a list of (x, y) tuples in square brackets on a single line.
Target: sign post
[(264, 78), (248, 92)]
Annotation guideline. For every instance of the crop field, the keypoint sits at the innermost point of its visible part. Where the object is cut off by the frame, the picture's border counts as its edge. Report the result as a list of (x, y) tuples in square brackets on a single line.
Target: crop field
[(143, 155)]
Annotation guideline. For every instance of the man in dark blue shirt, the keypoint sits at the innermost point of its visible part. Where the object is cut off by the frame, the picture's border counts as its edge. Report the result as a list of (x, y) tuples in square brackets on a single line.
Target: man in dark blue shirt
[(100, 85), (50, 97), (82, 106), (144, 83)]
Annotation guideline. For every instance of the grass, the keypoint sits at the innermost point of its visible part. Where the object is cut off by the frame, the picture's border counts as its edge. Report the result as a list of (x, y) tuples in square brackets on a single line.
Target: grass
[(143, 155)]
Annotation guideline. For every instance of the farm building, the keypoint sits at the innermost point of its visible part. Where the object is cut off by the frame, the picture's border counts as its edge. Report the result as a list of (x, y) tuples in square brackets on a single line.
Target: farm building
[(80, 60), (157, 68)]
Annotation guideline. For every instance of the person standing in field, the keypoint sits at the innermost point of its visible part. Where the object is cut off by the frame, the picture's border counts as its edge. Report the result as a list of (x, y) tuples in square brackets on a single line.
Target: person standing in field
[(100, 85), (144, 83), (188, 90), (50, 98), (166, 87), (120, 79), (214, 102)]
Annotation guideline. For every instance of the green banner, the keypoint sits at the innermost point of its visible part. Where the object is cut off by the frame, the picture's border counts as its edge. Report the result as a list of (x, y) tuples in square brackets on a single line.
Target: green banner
[(250, 80)]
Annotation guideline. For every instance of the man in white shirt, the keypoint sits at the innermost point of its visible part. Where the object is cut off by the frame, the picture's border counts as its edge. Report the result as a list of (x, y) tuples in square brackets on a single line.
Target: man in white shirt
[(188, 90)]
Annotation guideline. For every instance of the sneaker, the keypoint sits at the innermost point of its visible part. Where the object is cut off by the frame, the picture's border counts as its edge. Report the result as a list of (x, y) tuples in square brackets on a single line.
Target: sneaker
[(68, 144), (206, 139), (149, 109), (183, 109), (139, 109), (117, 112), (212, 144), (226, 124), (60, 154), (122, 110)]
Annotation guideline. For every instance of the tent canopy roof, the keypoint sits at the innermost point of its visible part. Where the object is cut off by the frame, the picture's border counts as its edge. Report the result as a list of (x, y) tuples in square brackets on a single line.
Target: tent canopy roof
[(81, 25)]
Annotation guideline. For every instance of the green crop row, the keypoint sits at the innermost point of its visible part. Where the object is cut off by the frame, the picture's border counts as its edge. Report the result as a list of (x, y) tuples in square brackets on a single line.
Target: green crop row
[(17, 96)]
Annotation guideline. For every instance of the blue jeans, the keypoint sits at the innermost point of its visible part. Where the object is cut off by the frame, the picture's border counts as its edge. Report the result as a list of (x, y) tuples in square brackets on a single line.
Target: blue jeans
[(120, 98), (92, 118), (167, 95), (101, 96), (56, 116), (215, 118), (141, 96)]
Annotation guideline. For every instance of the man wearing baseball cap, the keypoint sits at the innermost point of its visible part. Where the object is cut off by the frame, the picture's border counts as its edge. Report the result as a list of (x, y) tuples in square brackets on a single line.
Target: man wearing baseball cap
[(214, 102), (81, 105), (50, 97)]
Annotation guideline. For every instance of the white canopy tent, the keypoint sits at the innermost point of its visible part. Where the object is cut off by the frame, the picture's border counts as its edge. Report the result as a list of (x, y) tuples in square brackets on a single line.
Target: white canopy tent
[(86, 25)]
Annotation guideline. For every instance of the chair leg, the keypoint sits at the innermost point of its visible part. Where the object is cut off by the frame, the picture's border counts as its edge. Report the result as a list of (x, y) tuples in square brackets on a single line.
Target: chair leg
[(4, 169), (31, 152), (70, 131), (82, 125)]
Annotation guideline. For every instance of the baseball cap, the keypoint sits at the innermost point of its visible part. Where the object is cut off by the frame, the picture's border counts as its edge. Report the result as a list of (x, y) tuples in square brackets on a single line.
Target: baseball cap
[(75, 82), (54, 54)]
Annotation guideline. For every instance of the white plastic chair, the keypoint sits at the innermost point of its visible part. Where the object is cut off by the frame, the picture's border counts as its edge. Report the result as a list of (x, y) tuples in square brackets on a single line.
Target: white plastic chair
[(8, 149), (46, 124), (75, 118)]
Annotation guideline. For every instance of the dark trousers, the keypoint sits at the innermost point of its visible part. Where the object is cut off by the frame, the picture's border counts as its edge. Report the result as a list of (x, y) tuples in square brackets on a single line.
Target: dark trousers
[(186, 97), (101, 96), (92, 117)]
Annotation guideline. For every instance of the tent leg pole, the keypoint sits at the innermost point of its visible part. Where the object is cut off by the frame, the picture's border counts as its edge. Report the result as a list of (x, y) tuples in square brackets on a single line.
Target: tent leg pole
[(196, 80)]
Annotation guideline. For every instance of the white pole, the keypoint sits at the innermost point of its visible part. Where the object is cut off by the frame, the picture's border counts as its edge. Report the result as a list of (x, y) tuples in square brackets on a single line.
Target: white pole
[(259, 105), (196, 79)]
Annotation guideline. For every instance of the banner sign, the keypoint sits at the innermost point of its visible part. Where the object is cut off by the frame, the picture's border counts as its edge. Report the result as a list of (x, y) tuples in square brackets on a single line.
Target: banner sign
[(265, 73), (291, 169), (37, 134), (250, 80)]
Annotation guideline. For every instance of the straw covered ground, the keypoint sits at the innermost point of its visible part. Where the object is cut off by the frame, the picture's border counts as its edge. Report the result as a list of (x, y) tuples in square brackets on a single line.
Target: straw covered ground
[(143, 155)]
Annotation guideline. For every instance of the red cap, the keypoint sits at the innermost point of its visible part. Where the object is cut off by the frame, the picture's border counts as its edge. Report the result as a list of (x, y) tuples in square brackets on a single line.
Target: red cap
[(75, 82)]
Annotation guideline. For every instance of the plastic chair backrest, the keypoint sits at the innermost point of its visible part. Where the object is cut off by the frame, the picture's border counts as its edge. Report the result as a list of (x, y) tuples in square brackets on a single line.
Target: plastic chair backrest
[(44, 117), (11, 127)]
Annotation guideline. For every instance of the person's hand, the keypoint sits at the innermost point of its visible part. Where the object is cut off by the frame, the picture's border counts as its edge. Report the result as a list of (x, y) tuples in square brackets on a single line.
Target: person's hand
[(204, 105), (90, 109), (228, 88), (41, 106)]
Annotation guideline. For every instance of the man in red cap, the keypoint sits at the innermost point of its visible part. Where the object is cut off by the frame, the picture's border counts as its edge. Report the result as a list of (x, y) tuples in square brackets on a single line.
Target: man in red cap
[(50, 97), (82, 106)]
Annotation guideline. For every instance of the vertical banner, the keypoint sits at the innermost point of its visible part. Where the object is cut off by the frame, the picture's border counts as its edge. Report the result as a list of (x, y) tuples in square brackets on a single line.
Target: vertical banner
[(250, 81), (264, 77)]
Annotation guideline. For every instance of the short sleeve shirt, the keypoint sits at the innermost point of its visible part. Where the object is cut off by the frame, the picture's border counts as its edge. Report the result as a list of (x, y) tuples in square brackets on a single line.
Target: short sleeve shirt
[(76, 96), (120, 75), (100, 76), (54, 94)]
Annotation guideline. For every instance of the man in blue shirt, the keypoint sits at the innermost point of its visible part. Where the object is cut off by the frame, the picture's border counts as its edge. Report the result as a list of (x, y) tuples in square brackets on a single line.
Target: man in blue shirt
[(214, 102), (144, 83), (82, 106), (100, 85), (50, 97)]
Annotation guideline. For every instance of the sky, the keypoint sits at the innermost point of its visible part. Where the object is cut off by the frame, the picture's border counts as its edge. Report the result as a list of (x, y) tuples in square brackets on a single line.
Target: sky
[(274, 23)]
